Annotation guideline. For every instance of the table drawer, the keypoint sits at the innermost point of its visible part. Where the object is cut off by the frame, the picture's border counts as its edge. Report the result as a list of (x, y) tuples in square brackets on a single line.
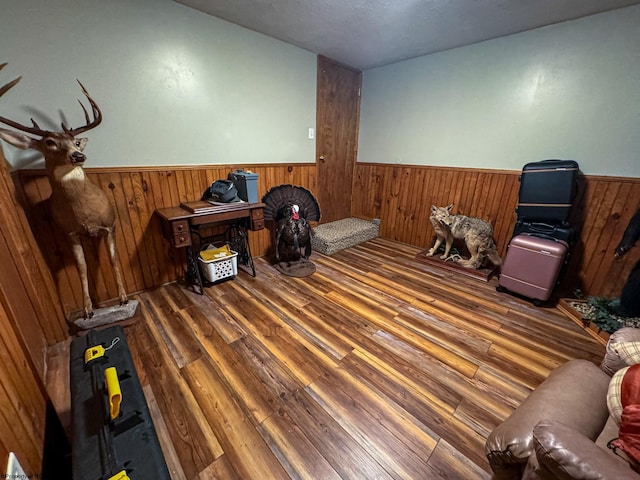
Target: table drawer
[(257, 214), (257, 224), (181, 239), (180, 226)]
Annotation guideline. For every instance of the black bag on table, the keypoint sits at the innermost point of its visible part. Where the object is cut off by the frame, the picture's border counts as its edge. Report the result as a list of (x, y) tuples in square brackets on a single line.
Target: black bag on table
[(223, 191)]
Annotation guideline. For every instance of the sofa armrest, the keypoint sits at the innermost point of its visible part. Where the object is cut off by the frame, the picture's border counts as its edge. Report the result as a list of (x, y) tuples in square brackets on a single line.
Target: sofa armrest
[(611, 362), (574, 393), (566, 454)]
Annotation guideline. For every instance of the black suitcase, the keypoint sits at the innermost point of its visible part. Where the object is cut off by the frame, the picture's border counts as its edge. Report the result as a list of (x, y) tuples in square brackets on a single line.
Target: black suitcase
[(110, 442), (547, 191), (545, 230)]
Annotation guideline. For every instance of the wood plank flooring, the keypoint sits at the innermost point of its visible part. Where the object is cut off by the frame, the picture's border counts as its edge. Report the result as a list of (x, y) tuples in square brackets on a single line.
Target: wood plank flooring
[(375, 367)]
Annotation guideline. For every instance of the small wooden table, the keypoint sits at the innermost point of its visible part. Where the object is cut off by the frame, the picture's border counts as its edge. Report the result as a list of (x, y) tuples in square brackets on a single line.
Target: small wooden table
[(180, 224)]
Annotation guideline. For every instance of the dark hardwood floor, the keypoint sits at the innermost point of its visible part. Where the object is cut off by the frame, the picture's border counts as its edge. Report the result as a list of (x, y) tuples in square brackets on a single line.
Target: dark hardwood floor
[(375, 367)]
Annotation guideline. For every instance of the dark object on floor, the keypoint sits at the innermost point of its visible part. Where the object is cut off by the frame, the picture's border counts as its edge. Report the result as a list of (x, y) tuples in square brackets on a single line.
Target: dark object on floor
[(292, 207), (56, 457), (547, 191), (299, 268), (630, 296), (108, 437), (603, 313), (532, 266)]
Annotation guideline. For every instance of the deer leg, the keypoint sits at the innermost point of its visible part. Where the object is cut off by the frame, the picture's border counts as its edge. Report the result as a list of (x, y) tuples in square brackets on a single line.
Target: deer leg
[(81, 264), (115, 264)]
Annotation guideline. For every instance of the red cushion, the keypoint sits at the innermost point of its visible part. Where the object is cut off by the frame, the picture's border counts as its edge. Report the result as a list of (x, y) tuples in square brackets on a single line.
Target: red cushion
[(629, 434)]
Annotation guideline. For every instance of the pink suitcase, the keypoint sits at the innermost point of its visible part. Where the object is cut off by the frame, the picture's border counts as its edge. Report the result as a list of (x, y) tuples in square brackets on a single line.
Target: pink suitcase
[(532, 266)]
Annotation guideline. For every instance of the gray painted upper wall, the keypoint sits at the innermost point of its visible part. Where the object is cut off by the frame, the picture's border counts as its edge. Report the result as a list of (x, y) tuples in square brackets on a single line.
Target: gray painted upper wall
[(175, 86), (570, 91)]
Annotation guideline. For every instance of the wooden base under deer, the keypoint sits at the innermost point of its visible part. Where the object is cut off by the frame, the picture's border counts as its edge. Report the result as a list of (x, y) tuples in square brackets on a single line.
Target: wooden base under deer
[(116, 314), (483, 274)]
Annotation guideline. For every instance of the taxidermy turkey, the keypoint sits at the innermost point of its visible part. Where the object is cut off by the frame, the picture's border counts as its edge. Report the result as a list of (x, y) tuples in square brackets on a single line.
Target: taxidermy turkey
[(292, 207)]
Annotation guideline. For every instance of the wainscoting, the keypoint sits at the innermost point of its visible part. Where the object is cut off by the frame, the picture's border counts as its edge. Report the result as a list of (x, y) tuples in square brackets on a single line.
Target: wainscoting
[(400, 196), (137, 192)]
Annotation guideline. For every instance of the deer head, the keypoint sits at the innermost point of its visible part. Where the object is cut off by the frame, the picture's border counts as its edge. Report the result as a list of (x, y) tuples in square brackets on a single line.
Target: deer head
[(58, 148)]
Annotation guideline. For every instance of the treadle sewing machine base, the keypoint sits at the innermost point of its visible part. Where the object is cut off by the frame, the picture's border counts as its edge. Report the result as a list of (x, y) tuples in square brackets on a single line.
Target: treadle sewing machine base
[(180, 225)]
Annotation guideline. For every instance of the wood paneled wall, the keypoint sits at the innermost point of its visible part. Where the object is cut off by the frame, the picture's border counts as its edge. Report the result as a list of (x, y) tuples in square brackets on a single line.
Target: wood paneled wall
[(30, 319), (401, 196), (22, 401), (146, 259)]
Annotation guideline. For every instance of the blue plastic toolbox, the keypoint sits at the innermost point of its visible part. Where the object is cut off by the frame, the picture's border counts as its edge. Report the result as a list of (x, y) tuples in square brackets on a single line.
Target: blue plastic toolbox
[(247, 185)]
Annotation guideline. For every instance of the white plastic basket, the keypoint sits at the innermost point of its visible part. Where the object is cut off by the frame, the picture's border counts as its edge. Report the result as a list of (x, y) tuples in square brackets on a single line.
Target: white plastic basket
[(219, 268)]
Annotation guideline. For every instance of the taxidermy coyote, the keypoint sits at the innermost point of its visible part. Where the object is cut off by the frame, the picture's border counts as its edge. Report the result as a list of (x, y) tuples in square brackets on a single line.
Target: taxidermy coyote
[(477, 234)]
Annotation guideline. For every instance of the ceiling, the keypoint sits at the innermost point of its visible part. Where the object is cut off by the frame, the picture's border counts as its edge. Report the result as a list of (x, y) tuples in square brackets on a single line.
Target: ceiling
[(371, 33)]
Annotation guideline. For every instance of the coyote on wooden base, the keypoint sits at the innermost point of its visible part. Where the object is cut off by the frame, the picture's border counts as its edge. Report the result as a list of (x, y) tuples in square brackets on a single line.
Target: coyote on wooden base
[(476, 233)]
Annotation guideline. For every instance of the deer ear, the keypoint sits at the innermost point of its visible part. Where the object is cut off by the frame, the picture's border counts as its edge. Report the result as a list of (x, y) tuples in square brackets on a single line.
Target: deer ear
[(17, 139)]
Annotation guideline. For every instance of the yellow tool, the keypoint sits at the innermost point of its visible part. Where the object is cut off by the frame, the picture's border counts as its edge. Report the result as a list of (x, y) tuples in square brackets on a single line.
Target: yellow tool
[(122, 475), (92, 353), (113, 389)]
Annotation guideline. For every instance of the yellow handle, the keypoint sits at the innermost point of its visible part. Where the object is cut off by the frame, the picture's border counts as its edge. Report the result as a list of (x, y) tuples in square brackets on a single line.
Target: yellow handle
[(92, 353), (113, 389), (122, 475)]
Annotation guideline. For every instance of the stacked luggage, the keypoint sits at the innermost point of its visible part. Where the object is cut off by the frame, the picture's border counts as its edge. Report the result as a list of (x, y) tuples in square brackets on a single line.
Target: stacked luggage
[(542, 236)]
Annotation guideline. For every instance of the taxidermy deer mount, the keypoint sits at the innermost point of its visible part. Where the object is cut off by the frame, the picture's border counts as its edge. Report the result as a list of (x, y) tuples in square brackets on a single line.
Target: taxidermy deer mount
[(78, 206)]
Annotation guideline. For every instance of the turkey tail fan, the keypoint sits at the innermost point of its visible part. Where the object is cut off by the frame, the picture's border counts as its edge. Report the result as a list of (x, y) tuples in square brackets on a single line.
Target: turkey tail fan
[(283, 195)]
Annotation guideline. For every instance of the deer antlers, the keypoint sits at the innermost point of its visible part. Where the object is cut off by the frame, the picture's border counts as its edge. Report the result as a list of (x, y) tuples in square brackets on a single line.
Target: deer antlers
[(36, 130)]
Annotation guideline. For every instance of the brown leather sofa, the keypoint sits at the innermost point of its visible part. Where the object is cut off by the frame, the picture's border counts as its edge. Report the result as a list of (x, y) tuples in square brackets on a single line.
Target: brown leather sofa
[(562, 429)]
